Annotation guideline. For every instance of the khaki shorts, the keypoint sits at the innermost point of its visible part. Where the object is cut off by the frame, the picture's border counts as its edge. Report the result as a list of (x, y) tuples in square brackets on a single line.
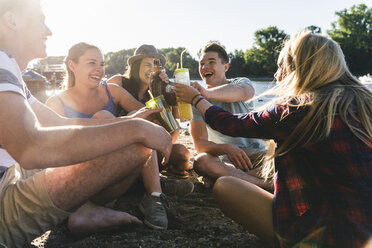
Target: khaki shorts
[(26, 211), (257, 159)]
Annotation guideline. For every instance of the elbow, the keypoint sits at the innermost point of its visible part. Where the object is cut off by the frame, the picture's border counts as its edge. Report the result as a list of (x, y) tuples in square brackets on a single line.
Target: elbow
[(28, 161), (29, 153), (27, 165), (249, 93)]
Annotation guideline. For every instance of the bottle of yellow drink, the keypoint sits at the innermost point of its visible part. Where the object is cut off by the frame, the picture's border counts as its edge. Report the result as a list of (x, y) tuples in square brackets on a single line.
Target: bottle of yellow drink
[(182, 76)]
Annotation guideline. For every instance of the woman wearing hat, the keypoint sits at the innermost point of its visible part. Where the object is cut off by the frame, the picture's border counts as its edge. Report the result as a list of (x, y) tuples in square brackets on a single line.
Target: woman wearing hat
[(89, 97), (136, 80)]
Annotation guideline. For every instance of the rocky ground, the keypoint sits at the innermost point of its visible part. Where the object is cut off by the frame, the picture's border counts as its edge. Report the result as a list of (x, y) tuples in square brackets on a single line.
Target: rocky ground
[(194, 221)]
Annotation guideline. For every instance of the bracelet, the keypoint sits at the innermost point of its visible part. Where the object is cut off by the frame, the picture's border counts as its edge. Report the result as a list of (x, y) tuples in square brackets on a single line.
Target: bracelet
[(194, 98), (201, 98)]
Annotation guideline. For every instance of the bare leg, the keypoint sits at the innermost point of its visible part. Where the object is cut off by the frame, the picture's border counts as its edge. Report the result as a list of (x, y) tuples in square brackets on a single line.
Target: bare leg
[(71, 186), (246, 204), (151, 181), (211, 167), (179, 161), (150, 175)]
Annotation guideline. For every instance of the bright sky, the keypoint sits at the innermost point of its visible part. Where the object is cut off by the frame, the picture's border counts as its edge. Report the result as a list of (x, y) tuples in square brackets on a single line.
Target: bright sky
[(113, 25)]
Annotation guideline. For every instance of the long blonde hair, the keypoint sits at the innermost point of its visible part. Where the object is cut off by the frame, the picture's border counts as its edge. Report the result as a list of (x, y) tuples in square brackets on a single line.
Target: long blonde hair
[(313, 72)]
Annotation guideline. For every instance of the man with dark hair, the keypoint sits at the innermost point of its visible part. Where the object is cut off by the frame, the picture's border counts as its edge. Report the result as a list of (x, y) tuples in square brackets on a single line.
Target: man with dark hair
[(221, 155), (50, 165)]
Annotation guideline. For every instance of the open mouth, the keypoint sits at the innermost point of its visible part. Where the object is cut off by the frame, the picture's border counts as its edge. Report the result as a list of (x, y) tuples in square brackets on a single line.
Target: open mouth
[(96, 77), (208, 74)]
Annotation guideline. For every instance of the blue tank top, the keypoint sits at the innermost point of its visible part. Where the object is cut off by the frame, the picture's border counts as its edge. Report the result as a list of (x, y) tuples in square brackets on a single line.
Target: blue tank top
[(71, 113)]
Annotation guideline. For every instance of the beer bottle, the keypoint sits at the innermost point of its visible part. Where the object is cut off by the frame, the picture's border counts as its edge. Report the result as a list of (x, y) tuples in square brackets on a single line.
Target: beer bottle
[(159, 87)]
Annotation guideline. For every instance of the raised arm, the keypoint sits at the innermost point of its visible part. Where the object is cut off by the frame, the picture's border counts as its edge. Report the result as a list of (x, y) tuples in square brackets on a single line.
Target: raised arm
[(253, 125), (25, 139), (242, 91)]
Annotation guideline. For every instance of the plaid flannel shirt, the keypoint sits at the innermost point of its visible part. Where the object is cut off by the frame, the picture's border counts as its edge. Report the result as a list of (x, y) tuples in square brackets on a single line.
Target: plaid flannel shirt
[(323, 192)]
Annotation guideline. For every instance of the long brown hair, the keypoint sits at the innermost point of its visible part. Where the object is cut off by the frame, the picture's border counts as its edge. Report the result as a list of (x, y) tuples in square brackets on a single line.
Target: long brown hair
[(313, 72), (132, 72)]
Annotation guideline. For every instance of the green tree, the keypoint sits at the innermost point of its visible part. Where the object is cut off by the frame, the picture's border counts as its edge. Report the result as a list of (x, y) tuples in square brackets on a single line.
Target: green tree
[(174, 56), (353, 32), (253, 62), (237, 64), (116, 62), (314, 29), (263, 56)]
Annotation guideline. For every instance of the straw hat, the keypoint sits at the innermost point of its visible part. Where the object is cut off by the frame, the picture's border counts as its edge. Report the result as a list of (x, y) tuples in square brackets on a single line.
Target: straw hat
[(146, 51)]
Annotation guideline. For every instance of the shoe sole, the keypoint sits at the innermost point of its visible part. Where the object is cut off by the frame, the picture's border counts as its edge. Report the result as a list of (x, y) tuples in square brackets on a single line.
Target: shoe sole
[(148, 224), (181, 195)]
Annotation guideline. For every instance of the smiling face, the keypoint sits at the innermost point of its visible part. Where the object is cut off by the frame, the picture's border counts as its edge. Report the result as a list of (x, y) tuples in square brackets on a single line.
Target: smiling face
[(89, 69), (212, 70), (28, 31), (146, 67)]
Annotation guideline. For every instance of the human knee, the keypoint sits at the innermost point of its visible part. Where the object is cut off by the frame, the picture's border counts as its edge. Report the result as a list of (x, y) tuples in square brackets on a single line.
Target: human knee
[(103, 114), (201, 163), (221, 184), (181, 152), (142, 151)]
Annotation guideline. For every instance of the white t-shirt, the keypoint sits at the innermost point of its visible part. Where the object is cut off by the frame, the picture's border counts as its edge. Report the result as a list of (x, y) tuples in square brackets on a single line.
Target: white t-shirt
[(11, 80), (252, 145)]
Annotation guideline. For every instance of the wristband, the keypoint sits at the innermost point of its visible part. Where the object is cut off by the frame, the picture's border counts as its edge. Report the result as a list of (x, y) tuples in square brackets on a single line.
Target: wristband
[(201, 98), (194, 98)]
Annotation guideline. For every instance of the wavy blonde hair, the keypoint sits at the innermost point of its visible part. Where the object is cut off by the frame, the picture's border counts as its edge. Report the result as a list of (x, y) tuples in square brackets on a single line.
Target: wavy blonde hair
[(313, 72)]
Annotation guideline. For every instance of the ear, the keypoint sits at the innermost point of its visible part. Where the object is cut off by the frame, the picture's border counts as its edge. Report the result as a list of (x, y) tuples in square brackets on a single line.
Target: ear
[(226, 66), (9, 20), (71, 65)]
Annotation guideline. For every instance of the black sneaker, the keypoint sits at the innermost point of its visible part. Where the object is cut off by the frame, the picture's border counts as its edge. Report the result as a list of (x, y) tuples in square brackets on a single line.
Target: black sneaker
[(153, 208), (176, 187)]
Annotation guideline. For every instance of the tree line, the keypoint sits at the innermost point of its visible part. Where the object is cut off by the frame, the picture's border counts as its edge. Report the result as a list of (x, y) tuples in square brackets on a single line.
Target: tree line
[(352, 31)]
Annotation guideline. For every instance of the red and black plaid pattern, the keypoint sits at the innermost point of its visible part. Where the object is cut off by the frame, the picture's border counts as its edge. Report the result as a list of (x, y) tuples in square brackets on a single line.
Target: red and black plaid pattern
[(323, 192)]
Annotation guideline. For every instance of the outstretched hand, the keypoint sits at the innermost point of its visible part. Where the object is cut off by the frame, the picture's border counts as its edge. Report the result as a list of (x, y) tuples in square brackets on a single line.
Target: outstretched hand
[(162, 75), (145, 113), (185, 93), (203, 91)]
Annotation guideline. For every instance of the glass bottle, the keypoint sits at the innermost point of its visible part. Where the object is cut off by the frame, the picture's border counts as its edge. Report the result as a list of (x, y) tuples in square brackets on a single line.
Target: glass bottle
[(161, 88)]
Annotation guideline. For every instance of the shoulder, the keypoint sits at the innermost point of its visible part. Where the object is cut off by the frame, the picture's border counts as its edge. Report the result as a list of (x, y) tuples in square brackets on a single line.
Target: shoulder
[(11, 76), (56, 103), (242, 82), (116, 79), (239, 80), (115, 88), (9, 70), (55, 99)]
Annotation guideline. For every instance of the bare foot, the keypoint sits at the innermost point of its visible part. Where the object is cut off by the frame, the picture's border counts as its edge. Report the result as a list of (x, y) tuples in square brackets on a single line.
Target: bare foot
[(91, 218)]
